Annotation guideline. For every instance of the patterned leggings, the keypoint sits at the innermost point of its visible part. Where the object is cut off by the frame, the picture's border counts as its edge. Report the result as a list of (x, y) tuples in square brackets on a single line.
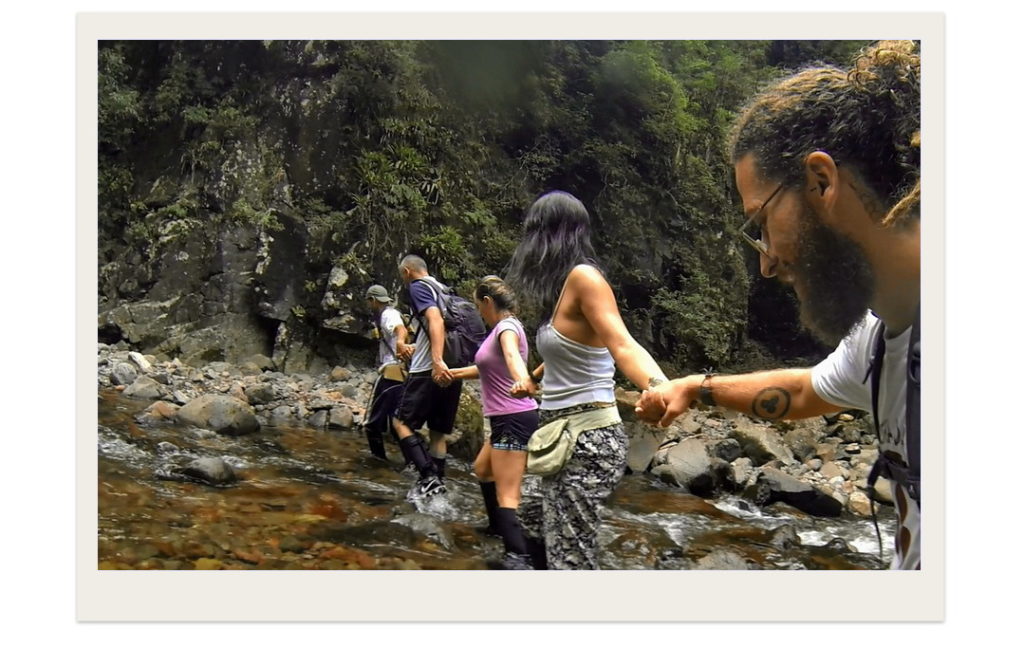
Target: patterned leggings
[(573, 497)]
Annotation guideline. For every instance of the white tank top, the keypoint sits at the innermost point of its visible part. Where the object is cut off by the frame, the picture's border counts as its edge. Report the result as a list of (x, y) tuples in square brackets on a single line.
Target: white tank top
[(574, 373)]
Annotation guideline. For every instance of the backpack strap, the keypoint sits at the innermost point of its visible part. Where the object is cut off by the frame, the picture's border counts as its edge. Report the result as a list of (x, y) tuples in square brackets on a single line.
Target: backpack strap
[(907, 475), (440, 296)]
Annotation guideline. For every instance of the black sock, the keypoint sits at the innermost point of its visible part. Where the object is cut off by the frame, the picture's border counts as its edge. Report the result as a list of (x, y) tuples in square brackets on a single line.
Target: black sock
[(439, 464), (490, 493), (510, 530), (538, 552), (376, 442), (415, 450)]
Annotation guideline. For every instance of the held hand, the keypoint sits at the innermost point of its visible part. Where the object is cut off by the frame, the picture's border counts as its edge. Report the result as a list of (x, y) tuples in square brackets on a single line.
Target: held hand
[(405, 351), (441, 374), (664, 403), (524, 389)]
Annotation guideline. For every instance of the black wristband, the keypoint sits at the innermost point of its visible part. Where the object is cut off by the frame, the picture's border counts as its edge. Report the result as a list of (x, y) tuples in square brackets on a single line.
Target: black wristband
[(534, 379), (704, 393)]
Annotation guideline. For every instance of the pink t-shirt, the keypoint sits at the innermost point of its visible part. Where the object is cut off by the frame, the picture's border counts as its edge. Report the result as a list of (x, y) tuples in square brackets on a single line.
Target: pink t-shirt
[(495, 379)]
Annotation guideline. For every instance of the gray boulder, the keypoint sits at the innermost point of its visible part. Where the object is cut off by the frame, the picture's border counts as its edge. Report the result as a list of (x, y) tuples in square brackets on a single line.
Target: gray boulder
[(219, 413), (260, 393), (761, 444), (123, 374), (687, 465), (340, 417), (144, 387)]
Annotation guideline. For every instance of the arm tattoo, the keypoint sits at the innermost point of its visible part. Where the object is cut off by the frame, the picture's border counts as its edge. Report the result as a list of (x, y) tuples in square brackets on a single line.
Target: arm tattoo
[(771, 403)]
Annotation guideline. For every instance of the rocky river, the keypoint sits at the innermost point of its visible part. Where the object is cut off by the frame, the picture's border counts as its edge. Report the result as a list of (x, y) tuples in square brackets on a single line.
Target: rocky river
[(243, 467)]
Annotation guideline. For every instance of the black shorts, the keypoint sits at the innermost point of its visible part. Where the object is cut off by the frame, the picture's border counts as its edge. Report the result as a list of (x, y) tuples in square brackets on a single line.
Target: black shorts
[(424, 401), (386, 395), (513, 431)]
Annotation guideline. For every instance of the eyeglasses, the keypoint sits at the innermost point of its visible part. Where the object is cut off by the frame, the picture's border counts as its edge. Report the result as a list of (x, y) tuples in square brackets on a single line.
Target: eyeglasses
[(751, 230)]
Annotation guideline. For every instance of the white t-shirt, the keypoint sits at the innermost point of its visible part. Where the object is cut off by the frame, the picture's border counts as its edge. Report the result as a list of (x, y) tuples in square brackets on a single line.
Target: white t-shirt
[(839, 379), (390, 319)]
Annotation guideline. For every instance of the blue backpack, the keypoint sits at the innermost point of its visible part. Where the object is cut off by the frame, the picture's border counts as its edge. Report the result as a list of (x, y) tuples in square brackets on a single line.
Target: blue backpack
[(464, 329)]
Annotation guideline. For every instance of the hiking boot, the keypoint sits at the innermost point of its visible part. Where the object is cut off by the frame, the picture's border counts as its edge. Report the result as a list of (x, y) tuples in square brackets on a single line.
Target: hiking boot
[(516, 561), (429, 487)]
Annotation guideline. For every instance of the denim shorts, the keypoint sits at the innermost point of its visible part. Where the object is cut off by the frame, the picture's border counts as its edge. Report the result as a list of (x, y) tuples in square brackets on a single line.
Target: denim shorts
[(513, 431)]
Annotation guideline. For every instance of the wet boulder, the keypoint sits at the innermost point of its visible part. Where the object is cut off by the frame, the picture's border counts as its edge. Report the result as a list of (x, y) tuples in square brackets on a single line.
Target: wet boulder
[(773, 485), (219, 413), (688, 465), (210, 470)]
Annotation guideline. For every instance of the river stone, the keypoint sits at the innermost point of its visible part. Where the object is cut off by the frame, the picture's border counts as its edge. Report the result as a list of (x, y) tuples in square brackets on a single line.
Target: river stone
[(237, 391), (687, 465), (760, 443), (722, 559), (140, 361), (340, 417), (123, 374), (728, 450), (210, 470), (144, 387), (219, 413), (859, 504), (742, 470), (260, 393), (281, 415), (832, 470), (826, 451), (644, 441), (319, 419), (773, 485), (785, 537), (158, 412), (340, 373), (804, 437)]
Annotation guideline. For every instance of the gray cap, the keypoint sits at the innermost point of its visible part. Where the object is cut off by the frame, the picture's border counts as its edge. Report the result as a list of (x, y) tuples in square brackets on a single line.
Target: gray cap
[(378, 292)]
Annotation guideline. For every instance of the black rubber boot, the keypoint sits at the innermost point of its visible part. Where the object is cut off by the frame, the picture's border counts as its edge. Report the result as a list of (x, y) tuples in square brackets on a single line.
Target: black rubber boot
[(490, 493), (415, 450), (538, 552), (376, 443), (511, 532)]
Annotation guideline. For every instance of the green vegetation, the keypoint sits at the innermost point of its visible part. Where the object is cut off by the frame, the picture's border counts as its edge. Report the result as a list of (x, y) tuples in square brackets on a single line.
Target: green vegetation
[(380, 148)]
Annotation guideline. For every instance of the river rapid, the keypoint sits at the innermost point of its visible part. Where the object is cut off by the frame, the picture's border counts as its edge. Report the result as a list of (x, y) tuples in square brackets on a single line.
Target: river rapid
[(309, 498)]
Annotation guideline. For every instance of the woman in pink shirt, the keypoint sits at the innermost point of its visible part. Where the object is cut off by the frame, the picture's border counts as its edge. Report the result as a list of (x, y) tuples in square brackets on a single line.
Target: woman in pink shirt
[(501, 363)]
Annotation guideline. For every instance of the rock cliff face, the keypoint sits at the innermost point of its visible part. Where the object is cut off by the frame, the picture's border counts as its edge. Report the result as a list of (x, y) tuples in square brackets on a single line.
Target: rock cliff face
[(250, 191)]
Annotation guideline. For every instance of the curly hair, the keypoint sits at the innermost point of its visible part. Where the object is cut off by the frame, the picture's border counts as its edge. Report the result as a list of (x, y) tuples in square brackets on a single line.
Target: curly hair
[(867, 118)]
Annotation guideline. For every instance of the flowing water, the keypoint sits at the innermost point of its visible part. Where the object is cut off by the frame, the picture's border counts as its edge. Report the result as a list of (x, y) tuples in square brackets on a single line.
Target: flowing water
[(316, 499)]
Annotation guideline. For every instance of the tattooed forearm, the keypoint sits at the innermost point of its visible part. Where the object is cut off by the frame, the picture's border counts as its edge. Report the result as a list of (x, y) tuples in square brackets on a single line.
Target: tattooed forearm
[(771, 403)]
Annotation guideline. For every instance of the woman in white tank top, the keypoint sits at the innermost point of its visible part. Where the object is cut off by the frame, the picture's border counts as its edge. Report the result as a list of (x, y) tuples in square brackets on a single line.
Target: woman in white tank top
[(581, 343)]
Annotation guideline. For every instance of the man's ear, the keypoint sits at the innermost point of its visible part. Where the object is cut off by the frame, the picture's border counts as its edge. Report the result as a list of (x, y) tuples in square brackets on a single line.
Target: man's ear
[(822, 181)]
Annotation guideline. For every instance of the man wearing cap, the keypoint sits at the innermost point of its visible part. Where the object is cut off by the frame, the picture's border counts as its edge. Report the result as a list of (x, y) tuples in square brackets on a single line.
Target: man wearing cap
[(387, 391)]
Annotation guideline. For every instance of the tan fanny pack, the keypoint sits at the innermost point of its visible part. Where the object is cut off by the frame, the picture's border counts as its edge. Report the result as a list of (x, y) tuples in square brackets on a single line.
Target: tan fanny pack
[(394, 372), (550, 446)]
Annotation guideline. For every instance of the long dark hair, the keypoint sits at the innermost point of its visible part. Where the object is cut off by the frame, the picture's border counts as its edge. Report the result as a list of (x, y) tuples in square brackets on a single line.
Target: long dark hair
[(556, 238)]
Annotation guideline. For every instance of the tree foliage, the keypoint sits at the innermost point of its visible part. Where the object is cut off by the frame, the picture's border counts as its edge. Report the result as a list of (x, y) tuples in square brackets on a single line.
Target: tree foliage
[(437, 147)]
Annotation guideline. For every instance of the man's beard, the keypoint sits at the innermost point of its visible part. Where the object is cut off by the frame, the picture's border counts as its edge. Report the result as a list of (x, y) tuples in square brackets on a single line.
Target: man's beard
[(837, 280)]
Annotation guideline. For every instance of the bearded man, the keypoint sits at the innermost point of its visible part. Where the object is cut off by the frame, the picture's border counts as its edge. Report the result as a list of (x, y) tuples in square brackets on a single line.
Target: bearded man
[(827, 163)]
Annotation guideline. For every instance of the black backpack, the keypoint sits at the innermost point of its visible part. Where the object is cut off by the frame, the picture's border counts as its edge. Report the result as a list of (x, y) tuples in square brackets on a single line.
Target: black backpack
[(464, 329), (906, 474)]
